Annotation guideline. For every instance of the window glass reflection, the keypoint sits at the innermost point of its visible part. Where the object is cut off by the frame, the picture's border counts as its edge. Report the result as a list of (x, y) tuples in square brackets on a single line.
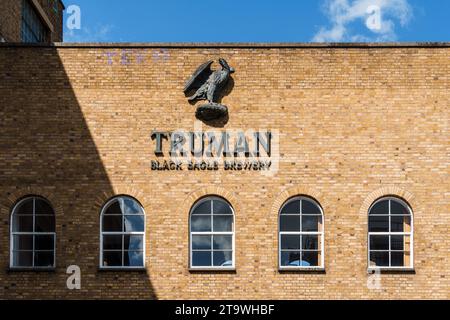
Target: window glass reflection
[(390, 234), (212, 232), (301, 233), (123, 233)]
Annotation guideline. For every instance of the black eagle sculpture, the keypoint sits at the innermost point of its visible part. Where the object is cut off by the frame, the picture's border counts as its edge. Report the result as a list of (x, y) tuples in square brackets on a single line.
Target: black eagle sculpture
[(208, 85)]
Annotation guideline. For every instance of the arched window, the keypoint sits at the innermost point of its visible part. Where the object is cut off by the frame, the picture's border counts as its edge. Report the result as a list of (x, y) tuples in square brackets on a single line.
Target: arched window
[(33, 235), (212, 234), (122, 240), (301, 234), (390, 234)]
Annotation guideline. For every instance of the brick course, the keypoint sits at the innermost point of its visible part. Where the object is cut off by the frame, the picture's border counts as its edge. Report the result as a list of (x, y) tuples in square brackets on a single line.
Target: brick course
[(354, 124), (10, 20)]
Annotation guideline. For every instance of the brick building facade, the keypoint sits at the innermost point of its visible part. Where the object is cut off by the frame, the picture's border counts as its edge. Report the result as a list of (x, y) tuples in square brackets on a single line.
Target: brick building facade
[(351, 124), (15, 14)]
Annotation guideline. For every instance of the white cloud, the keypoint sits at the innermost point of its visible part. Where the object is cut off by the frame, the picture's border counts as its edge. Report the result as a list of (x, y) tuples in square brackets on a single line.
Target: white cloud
[(344, 12), (99, 33)]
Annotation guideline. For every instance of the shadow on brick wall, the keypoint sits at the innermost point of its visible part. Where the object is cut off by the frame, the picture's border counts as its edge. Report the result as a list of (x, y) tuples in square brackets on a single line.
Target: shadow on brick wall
[(46, 148)]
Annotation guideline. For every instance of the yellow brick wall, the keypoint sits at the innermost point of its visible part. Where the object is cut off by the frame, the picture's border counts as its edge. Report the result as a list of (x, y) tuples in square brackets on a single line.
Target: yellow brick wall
[(353, 124)]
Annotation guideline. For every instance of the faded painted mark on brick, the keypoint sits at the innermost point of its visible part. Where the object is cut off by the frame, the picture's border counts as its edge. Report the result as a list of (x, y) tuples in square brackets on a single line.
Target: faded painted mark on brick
[(161, 55), (128, 57), (110, 56)]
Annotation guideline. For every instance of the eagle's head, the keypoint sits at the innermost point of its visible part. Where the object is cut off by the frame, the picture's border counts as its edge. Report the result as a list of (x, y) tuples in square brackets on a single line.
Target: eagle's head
[(225, 65)]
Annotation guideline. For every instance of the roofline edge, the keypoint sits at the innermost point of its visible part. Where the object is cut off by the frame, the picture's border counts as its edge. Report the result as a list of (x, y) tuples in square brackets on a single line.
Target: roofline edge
[(246, 45)]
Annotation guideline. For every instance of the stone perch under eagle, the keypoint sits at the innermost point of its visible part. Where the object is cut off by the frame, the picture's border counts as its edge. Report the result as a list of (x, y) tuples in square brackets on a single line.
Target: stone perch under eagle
[(208, 85)]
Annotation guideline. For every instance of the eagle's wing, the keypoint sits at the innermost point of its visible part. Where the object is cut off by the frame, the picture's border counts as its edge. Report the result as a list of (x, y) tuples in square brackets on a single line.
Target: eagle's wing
[(199, 77)]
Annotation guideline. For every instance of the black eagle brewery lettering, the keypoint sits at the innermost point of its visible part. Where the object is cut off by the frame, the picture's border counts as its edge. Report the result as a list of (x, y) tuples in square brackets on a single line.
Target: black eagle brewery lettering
[(200, 151)]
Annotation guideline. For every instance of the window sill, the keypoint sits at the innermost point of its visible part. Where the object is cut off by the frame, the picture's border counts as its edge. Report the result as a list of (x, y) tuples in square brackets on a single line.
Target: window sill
[(312, 270), (392, 270), (31, 270), (213, 270), (106, 269)]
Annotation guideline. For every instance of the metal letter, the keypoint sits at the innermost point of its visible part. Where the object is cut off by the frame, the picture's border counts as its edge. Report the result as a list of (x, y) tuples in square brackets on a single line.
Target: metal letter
[(221, 147), (158, 136), (177, 140), (241, 145), (194, 152), (266, 144)]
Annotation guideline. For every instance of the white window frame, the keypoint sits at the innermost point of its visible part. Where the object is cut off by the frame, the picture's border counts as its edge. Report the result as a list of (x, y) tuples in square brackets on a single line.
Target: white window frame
[(33, 234), (389, 234), (122, 233), (212, 233), (300, 233)]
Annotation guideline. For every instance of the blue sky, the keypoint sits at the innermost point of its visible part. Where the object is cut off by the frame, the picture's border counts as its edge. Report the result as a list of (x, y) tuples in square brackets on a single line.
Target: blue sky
[(259, 20)]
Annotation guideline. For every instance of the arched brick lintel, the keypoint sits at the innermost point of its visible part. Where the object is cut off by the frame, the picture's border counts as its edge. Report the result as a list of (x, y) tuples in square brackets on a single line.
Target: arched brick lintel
[(196, 195), (15, 196), (125, 190), (387, 191), (305, 191)]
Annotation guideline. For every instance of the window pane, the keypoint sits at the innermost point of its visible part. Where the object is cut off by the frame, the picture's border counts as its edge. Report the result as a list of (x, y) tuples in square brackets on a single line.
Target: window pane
[(381, 207), (114, 208), (310, 258), (43, 259), (379, 259), (131, 206), (398, 208), (221, 207), (223, 242), (45, 223), (290, 258), (291, 207), (201, 242), (223, 258), (25, 208), (203, 208), (112, 258), (397, 243), (134, 223), (33, 29), (310, 207), (311, 223), (397, 223), (200, 223), (397, 259), (310, 242), (22, 223), (201, 258), (290, 242), (133, 259), (400, 223), (23, 242), (44, 242), (112, 223), (133, 242), (22, 258), (43, 207), (290, 223), (112, 242), (379, 242), (223, 223), (378, 223)]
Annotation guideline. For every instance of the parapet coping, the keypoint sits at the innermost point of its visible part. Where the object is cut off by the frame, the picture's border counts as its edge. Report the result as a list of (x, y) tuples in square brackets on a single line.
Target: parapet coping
[(237, 45)]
